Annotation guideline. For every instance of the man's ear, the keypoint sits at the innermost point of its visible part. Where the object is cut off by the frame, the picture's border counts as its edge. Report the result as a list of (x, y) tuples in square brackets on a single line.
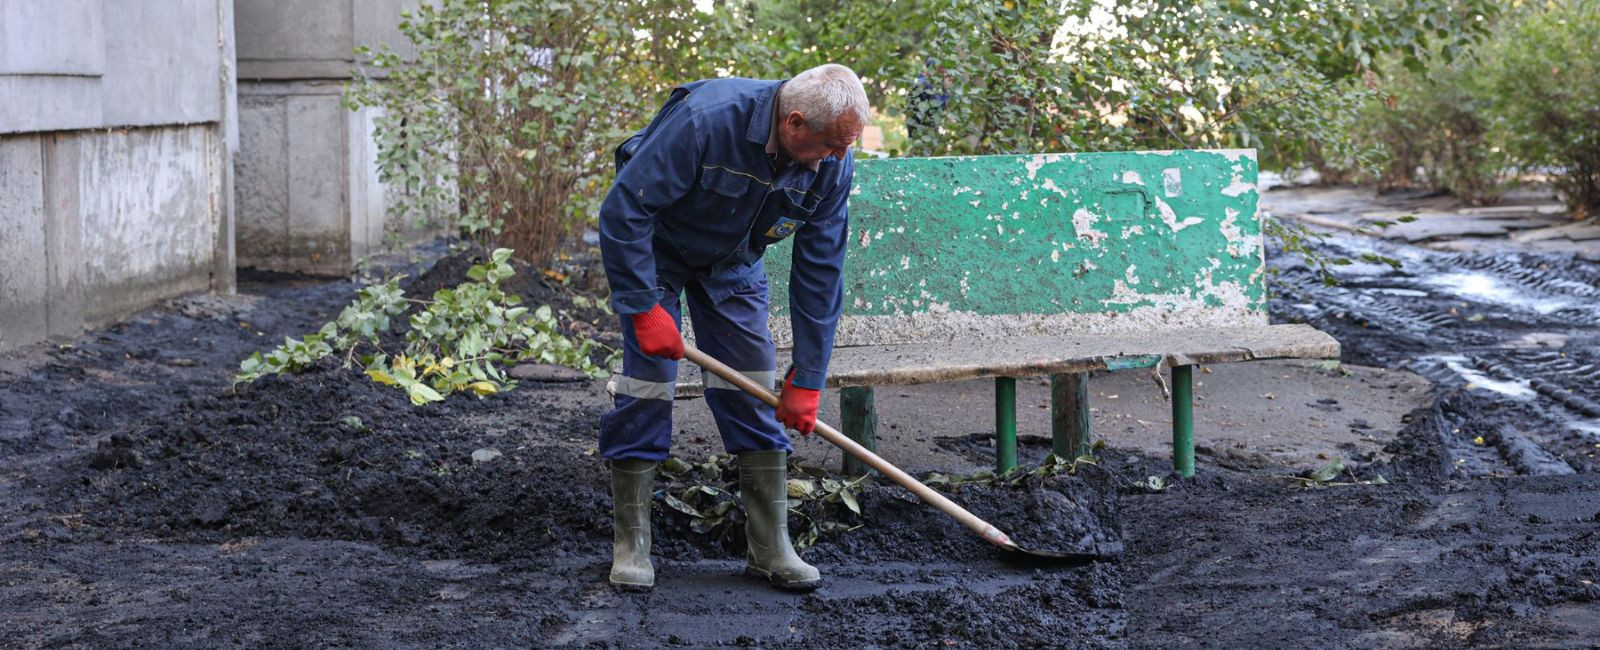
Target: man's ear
[(796, 120)]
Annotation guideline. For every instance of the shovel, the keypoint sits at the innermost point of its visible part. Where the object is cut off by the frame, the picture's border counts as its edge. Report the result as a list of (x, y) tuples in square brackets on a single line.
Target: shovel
[(983, 528)]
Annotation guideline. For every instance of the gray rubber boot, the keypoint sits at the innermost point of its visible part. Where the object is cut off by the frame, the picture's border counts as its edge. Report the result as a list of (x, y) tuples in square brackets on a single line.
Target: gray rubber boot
[(632, 482), (763, 482)]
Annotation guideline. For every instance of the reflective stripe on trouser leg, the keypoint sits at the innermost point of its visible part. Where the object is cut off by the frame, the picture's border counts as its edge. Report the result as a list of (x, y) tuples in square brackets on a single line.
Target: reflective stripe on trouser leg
[(640, 426), (734, 332)]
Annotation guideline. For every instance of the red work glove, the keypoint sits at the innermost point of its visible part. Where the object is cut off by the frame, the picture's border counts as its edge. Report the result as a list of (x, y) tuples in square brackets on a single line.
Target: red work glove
[(657, 335), (797, 407)]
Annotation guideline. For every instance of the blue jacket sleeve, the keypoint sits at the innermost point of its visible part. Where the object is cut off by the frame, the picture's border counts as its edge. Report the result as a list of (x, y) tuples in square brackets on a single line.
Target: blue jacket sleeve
[(816, 284), (664, 163)]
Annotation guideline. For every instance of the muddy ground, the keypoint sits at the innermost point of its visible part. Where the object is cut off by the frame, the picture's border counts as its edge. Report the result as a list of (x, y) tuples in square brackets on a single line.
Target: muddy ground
[(144, 502)]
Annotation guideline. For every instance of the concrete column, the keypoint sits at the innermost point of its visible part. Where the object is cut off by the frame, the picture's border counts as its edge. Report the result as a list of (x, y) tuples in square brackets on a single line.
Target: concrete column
[(306, 184), (63, 234), (24, 281)]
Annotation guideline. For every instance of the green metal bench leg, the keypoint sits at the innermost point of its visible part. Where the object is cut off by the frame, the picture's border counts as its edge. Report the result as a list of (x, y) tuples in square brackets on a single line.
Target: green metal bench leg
[(1005, 423), (1183, 420), (859, 421), (1069, 415)]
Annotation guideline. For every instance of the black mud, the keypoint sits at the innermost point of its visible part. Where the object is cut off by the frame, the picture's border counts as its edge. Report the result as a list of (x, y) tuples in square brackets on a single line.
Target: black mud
[(144, 502)]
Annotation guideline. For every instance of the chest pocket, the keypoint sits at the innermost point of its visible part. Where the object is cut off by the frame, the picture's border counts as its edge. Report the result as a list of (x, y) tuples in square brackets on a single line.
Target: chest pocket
[(727, 183), (788, 210)]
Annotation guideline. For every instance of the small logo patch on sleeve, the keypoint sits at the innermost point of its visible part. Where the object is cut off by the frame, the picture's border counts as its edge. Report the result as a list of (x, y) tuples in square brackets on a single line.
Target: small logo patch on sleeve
[(783, 228)]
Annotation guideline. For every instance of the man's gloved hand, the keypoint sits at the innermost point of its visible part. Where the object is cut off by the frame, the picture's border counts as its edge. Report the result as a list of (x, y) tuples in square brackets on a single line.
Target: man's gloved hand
[(657, 335), (797, 407)]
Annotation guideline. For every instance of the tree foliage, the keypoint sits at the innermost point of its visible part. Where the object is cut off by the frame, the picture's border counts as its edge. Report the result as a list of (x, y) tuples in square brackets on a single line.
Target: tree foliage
[(504, 117), (1542, 85), (1087, 75), (1525, 99), (508, 114)]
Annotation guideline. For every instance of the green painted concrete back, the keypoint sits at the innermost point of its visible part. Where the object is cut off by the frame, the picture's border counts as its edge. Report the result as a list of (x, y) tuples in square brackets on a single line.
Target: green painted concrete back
[(1098, 233)]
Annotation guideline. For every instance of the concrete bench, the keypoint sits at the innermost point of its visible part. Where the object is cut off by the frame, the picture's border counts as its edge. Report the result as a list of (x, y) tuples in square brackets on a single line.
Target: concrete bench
[(1025, 266)]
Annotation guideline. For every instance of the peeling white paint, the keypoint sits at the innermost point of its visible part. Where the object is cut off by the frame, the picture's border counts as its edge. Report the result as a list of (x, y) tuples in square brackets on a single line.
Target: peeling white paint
[(1172, 181), (1238, 186), (1171, 218), (1083, 224), (1038, 162), (1133, 177), (1050, 184), (1055, 255), (905, 262), (1231, 294), (1131, 275), (1230, 231)]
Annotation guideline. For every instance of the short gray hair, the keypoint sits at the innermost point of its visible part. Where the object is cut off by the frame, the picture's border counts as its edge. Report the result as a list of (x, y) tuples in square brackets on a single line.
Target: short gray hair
[(824, 93)]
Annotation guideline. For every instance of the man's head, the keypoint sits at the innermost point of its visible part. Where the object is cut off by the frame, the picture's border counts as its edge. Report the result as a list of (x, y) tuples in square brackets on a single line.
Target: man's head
[(822, 111)]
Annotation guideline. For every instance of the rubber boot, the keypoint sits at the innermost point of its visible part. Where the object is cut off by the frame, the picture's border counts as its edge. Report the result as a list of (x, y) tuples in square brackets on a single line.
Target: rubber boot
[(763, 481), (632, 482)]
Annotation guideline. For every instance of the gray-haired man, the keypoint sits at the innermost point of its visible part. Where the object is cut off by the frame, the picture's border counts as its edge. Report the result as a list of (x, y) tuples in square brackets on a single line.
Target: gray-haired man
[(726, 168)]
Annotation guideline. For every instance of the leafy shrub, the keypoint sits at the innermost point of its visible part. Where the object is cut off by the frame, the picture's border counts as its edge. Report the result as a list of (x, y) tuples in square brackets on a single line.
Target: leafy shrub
[(1543, 75), (1434, 129), (461, 340), (505, 118)]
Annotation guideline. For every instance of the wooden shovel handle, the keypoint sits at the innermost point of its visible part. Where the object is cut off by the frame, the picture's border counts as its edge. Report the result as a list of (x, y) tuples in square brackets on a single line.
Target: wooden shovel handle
[(832, 435)]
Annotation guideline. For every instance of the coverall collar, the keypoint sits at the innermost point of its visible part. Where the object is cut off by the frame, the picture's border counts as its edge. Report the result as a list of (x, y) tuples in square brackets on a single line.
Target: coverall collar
[(768, 108)]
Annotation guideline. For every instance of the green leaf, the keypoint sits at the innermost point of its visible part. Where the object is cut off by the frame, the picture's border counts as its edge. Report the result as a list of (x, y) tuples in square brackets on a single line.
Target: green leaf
[(675, 467), (800, 488), (850, 501), (1328, 472), (421, 393), (677, 504)]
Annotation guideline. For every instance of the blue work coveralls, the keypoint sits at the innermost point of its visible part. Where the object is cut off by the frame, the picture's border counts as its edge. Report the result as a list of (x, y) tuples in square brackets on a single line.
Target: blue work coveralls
[(697, 200)]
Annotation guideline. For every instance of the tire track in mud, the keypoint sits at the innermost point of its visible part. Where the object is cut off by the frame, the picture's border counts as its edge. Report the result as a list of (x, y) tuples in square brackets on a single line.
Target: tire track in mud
[(1517, 333)]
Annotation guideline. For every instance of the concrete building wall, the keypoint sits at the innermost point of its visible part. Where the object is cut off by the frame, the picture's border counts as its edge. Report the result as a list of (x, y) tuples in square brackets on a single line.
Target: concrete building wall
[(307, 188), (116, 128), (90, 64), (147, 202)]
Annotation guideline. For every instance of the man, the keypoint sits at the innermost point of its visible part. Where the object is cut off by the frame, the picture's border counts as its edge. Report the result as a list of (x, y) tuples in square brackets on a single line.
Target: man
[(726, 168)]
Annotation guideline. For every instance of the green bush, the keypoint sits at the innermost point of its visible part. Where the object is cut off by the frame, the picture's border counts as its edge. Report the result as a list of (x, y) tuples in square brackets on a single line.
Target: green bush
[(1525, 99), (1543, 75), (1434, 132), (506, 117)]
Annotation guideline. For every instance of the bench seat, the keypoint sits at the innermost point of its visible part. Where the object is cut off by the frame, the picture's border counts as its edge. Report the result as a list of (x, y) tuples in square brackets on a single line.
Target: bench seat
[(1033, 356)]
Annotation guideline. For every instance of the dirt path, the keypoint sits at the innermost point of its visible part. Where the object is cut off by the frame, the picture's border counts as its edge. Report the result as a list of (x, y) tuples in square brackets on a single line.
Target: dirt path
[(144, 502)]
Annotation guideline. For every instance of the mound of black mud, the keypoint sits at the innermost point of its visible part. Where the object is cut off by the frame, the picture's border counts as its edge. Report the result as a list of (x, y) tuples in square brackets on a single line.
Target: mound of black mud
[(327, 454), (1066, 513)]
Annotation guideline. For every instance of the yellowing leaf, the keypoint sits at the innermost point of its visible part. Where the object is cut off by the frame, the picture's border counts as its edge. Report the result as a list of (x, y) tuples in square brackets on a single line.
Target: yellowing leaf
[(850, 501), (381, 377), (483, 387), (799, 488), (422, 394)]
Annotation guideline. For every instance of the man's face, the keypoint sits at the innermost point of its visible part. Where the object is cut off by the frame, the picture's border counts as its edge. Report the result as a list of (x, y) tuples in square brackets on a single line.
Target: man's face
[(799, 143)]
